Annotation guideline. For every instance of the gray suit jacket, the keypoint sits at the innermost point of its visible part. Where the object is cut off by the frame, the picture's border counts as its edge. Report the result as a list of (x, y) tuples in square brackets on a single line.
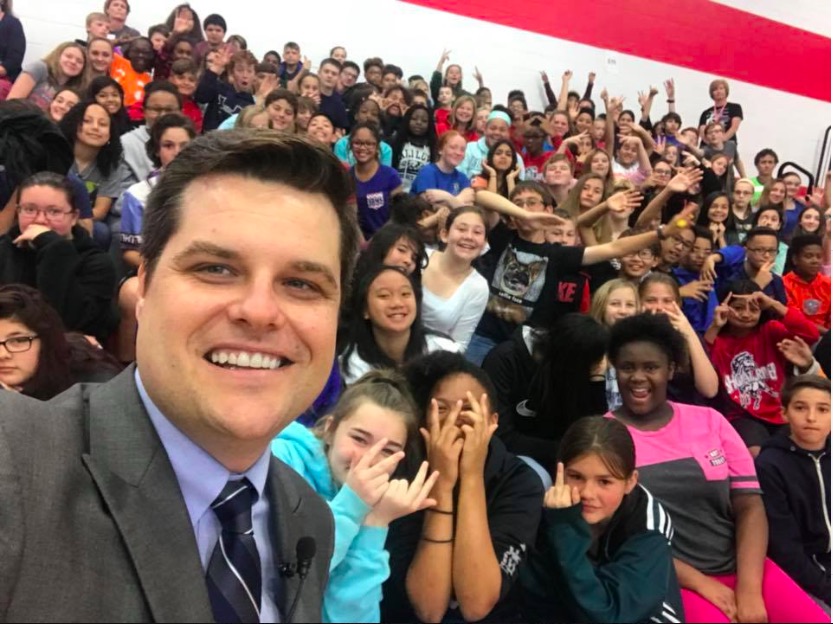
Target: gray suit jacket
[(93, 526)]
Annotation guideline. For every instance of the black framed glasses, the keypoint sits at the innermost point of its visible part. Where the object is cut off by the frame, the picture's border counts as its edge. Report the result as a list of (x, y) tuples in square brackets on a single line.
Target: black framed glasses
[(51, 212), (18, 344)]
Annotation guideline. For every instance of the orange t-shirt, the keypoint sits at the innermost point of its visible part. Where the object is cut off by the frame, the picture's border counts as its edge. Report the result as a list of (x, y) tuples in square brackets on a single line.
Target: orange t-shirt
[(130, 80), (811, 298)]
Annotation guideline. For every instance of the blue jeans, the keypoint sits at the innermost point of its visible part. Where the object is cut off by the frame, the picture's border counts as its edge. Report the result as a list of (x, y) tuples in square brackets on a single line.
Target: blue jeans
[(101, 234), (479, 347)]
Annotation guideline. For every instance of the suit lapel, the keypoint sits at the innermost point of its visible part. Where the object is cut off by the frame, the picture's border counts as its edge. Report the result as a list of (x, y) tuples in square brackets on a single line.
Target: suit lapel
[(285, 505), (129, 466)]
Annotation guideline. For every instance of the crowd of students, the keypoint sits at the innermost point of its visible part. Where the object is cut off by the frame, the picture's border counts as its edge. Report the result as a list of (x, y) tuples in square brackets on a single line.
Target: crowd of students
[(573, 332)]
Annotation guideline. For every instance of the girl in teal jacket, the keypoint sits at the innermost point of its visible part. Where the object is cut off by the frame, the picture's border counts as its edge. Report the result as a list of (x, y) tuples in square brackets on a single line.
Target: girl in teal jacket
[(603, 552), (349, 459)]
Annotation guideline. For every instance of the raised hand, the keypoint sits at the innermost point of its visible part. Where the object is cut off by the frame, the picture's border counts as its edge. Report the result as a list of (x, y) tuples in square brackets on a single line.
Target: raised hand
[(561, 496), (487, 167), (478, 76), (717, 229), (402, 498), (268, 84), (218, 63), (683, 220), (661, 143), (591, 77), (544, 78), (567, 75), (514, 173), (443, 444), (679, 320), (764, 275), (181, 25), (369, 480), (573, 111), (652, 91), (796, 351), (624, 201), (722, 313), (642, 99), (684, 180), (477, 432), (605, 97), (697, 289), (445, 56), (708, 272), (669, 88)]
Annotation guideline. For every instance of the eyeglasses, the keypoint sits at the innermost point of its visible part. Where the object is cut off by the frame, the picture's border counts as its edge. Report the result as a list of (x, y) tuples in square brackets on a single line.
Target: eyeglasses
[(642, 254), (662, 172), (367, 144), (762, 251), (50, 212), (685, 244), (528, 203), (18, 344)]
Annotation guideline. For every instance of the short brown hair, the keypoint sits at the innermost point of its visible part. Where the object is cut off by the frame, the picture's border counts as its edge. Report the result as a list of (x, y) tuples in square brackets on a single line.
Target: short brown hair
[(260, 154), (243, 57), (794, 384), (718, 83), (97, 16)]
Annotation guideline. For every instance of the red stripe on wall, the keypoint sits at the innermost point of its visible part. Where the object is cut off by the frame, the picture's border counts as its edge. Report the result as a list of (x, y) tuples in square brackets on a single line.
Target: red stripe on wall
[(697, 34)]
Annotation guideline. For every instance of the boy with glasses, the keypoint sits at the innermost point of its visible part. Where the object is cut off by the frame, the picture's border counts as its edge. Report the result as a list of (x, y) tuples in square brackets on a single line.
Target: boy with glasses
[(754, 260)]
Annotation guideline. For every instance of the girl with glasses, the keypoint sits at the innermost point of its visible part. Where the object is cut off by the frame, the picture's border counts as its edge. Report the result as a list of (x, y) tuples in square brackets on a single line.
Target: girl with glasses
[(47, 249)]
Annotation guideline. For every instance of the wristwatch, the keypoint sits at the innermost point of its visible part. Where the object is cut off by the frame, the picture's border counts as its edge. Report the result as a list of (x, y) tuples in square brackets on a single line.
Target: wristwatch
[(661, 233)]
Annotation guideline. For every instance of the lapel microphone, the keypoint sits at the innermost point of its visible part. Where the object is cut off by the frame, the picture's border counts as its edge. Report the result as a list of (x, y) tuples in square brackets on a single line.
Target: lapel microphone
[(304, 554)]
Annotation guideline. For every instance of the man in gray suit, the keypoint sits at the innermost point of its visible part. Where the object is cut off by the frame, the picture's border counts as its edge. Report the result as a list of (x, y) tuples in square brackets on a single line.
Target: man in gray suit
[(154, 497)]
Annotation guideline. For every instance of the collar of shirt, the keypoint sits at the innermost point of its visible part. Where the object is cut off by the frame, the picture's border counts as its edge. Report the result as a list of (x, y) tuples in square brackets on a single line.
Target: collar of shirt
[(201, 477)]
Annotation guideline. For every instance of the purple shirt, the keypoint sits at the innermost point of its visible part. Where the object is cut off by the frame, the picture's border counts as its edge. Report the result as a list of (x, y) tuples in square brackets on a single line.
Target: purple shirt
[(373, 198)]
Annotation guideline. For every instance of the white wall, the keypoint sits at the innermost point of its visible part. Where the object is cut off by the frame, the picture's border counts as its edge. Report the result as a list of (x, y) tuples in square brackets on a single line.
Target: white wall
[(413, 37)]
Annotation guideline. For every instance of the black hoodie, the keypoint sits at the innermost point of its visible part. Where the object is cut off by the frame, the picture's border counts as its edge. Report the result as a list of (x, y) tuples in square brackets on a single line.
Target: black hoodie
[(513, 505), (75, 276), (796, 485)]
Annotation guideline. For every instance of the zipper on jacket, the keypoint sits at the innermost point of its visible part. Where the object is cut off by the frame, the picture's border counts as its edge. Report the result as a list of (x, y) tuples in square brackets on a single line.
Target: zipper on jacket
[(817, 462)]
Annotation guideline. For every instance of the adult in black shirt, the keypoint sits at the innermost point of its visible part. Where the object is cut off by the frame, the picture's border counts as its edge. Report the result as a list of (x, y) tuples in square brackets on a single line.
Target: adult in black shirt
[(727, 113)]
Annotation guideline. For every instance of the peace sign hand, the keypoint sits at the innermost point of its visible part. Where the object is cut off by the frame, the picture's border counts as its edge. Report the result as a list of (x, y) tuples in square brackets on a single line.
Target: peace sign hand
[(722, 313), (561, 496)]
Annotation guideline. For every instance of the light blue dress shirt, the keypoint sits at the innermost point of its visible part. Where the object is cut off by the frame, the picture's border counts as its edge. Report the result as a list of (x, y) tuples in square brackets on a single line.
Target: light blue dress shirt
[(201, 479)]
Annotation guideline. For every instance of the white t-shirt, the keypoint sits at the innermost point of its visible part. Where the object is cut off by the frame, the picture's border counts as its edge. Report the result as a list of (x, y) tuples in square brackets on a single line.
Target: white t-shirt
[(359, 367), (458, 315)]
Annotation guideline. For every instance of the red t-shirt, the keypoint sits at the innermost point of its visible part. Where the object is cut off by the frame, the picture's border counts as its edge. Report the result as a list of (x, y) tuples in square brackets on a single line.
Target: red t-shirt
[(534, 166), (192, 112), (810, 298), (753, 370), (441, 118)]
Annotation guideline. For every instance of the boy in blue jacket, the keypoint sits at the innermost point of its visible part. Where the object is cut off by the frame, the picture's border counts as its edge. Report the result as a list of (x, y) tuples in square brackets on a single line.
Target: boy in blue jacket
[(225, 99), (794, 473)]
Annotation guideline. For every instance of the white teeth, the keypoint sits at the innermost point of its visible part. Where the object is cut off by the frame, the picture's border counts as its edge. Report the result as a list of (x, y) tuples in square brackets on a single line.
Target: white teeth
[(243, 359)]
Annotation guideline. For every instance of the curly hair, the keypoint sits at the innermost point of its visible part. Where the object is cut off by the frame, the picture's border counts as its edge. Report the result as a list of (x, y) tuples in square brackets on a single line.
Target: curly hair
[(655, 329)]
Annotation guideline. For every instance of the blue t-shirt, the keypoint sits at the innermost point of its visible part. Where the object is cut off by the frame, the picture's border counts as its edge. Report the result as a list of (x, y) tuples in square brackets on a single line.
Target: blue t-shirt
[(373, 198), (431, 177)]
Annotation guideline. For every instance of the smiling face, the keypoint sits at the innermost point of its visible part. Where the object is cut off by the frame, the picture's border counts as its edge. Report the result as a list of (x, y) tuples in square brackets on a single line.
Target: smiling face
[(658, 297), (110, 99), (628, 154), (792, 184), (17, 368), (621, 303), (810, 220), (100, 54), (364, 144), (391, 303), (453, 152), (358, 432), (281, 114), (237, 323), (643, 371), (809, 417), (718, 211), (94, 130), (186, 84), (601, 492), (60, 105), (636, 265), (496, 130), (466, 237), (777, 193), (402, 254), (321, 129), (465, 112), (71, 62)]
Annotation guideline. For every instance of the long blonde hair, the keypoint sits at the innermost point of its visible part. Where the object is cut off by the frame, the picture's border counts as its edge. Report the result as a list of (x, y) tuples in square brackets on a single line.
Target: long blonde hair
[(452, 117), (53, 66)]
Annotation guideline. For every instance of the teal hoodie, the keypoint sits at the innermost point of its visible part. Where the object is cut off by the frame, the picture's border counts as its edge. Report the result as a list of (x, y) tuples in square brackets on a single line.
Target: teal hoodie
[(360, 562)]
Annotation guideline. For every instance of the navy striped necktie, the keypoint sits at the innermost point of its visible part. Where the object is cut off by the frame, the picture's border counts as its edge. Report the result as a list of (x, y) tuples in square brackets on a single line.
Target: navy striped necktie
[(233, 577)]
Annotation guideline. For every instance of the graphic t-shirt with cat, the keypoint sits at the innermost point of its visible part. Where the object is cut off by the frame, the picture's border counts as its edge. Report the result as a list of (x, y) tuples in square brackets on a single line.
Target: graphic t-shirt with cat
[(525, 283)]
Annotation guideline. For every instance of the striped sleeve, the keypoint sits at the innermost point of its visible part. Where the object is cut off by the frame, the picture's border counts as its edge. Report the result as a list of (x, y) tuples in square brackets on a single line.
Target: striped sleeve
[(657, 519)]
